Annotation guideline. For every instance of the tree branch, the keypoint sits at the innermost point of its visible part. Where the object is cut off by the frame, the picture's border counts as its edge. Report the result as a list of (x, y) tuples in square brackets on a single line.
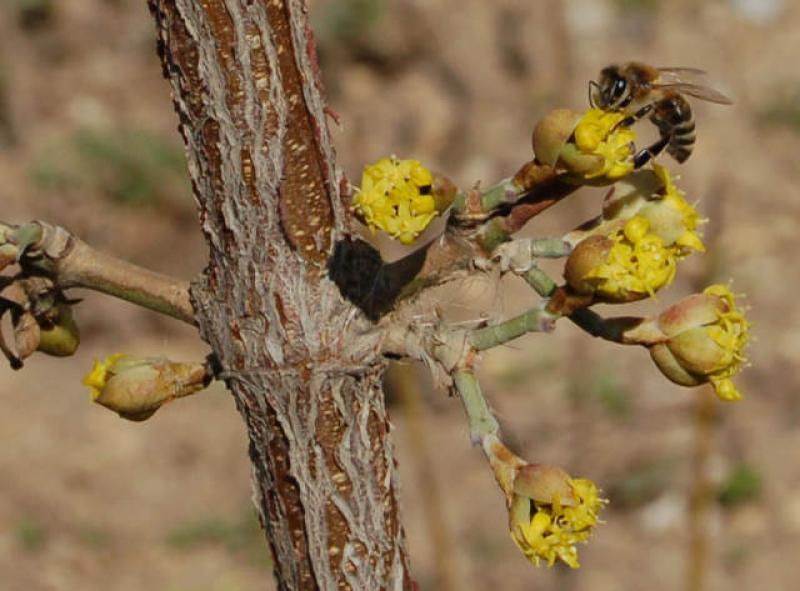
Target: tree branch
[(55, 253), (301, 362)]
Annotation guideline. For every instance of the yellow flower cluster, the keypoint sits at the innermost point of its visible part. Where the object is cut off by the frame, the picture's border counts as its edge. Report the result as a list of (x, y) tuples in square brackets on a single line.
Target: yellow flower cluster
[(395, 196), (555, 529), (597, 134), (730, 333), (673, 199), (637, 264), (96, 379)]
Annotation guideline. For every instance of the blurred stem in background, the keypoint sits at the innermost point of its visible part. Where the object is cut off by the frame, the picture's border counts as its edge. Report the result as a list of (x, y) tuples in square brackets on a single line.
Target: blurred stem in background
[(704, 415), (8, 137), (701, 490), (404, 382)]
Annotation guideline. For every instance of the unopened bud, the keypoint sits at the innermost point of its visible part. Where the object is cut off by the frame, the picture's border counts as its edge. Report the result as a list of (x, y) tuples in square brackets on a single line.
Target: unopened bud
[(706, 335), (60, 338), (586, 256), (26, 334), (135, 387), (591, 147), (544, 483), (551, 134)]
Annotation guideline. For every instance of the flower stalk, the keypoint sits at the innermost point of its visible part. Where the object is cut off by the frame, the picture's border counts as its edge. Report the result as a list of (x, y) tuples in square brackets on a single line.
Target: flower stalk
[(549, 512)]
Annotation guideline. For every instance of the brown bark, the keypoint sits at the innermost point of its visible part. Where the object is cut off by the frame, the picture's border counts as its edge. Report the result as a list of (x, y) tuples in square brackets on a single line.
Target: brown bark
[(301, 362)]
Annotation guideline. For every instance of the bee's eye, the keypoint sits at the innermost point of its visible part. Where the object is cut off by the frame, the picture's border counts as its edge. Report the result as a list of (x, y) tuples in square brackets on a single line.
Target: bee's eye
[(619, 87)]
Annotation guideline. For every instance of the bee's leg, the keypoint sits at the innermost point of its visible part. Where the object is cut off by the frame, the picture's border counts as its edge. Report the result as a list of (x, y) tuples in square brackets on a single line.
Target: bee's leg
[(593, 87), (644, 155), (631, 119)]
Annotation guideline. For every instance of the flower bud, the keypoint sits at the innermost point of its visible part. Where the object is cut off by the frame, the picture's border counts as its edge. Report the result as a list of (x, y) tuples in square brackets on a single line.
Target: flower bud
[(591, 147), (26, 334), (548, 512), (587, 256), (135, 387), (544, 483), (628, 265), (705, 340), (551, 134), (60, 337)]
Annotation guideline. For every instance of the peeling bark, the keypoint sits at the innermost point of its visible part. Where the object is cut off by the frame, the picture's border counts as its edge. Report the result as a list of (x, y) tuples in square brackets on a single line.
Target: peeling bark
[(302, 363)]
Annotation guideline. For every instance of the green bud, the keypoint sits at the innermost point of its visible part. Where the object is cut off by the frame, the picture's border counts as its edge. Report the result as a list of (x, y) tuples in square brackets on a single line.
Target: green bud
[(61, 338)]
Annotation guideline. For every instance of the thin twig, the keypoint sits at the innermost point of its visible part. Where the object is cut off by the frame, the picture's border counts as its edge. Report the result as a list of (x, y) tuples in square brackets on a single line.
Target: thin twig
[(534, 320), (53, 252), (704, 416)]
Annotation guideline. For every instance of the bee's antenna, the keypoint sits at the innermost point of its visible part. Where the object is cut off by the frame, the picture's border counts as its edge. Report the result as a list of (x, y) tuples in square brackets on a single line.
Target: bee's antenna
[(592, 84)]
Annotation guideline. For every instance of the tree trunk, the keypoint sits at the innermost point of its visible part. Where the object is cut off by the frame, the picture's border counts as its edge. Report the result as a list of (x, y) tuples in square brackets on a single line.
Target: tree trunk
[(301, 362)]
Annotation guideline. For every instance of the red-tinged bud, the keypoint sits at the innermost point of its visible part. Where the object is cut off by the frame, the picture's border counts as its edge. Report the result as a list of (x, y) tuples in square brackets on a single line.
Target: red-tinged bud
[(544, 483), (696, 310), (705, 338)]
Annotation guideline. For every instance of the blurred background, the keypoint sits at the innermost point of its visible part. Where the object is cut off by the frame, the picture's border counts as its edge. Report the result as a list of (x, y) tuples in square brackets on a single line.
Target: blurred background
[(704, 495)]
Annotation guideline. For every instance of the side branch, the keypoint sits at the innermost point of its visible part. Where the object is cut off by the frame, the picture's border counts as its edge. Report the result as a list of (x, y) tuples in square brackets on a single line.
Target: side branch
[(480, 221), (53, 252)]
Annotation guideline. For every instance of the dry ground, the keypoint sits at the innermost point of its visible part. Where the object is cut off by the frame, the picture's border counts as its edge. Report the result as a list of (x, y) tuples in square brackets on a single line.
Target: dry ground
[(88, 140)]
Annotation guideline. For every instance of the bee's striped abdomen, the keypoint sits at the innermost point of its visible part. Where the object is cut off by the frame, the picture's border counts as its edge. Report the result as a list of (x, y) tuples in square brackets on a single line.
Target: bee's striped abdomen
[(673, 117), (682, 142)]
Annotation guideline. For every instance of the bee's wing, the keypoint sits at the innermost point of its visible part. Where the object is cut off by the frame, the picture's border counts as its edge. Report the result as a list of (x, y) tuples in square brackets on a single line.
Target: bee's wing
[(697, 91), (680, 79), (679, 71)]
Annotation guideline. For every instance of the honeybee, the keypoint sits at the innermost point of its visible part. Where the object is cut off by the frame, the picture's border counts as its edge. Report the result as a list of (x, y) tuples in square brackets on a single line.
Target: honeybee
[(638, 89)]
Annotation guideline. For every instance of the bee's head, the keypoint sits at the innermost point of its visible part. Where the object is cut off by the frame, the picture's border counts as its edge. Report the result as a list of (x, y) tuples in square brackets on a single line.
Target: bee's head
[(612, 91)]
